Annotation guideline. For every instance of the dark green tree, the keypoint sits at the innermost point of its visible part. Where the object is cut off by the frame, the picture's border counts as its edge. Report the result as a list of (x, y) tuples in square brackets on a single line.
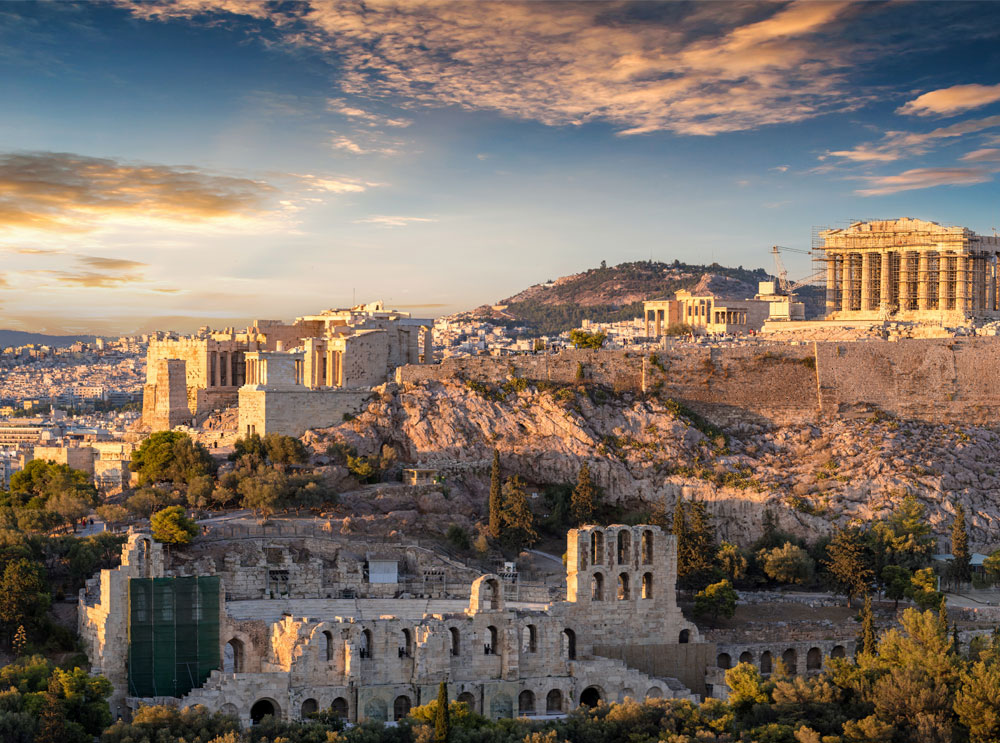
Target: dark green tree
[(171, 526), (584, 501), (846, 563), (583, 339), (696, 547), (441, 721), (24, 597), (496, 498), (518, 528), (959, 569), (868, 641), (718, 599), (171, 456)]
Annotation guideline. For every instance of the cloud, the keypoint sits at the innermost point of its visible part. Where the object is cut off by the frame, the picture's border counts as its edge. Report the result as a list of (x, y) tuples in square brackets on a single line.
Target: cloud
[(693, 68), (918, 178), (951, 101), (60, 191), (985, 155), (390, 221), (897, 145), (779, 169), (366, 143), (340, 106), (336, 184)]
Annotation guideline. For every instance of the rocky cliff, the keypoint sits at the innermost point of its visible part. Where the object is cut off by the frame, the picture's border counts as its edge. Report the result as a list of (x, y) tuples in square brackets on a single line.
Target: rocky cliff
[(644, 449)]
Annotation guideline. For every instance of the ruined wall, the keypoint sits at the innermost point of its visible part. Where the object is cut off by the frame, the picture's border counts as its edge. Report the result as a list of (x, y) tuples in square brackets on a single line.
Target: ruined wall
[(165, 398), (293, 412)]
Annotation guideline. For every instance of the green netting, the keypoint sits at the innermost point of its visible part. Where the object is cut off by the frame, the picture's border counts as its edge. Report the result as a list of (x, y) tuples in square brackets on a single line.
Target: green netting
[(173, 634)]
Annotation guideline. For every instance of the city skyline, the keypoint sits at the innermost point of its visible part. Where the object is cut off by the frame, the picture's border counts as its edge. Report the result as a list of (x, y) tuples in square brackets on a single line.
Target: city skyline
[(189, 162)]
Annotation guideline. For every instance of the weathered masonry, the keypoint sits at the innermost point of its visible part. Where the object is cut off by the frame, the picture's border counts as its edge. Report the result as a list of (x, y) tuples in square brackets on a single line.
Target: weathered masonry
[(162, 637), (910, 269)]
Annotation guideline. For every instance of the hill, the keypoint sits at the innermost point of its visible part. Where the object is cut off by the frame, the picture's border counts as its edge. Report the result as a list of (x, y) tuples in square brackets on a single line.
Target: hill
[(22, 338), (611, 293)]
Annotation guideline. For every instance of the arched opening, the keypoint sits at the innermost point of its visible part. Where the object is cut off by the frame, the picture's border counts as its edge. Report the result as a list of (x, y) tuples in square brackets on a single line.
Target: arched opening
[(724, 661), (525, 703), (338, 707), (401, 707), (261, 709), (814, 659), (492, 637), (624, 546), (492, 594), (590, 697), (597, 587), (628, 693), (456, 641), (654, 693), (375, 709), (328, 646), (765, 662), (790, 658), (647, 547), (529, 639), (596, 547), (685, 637), (553, 702), (406, 644), (623, 592), (501, 706), (647, 585), (838, 652), (309, 707), (366, 643), (569, 644), (746, 657), (232, 657), (468, 699)]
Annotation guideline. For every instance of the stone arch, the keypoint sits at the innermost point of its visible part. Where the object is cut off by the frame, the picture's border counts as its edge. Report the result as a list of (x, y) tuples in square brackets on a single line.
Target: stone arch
[(569, 644), (724, 661), (746, 657), (492, 641), (327, 645), (654, 692), (624, 546), (684, 637), (790, 658), (597, 587), (838, 652), (233, 656), (814, 659), (553, 702), (526, 703), (647, 585), (591, 696), (309, 707), (501, 706), (376, 709), (628, 693), (765, 662), (468, 699), (487, 594), (647, 547), (529, 639), (401, 707), (406, 649), (263, 708), (339, 707), (623, 587), (366, 644), (596, 547), (456, 641)]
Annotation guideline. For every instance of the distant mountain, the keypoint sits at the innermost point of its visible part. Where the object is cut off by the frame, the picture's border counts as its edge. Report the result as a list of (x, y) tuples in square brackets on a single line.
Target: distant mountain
[(21, 338), (617, 292)]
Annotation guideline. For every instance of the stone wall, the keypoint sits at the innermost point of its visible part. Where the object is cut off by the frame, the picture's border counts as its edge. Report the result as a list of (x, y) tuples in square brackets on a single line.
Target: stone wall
[(948, 380), (293, 412)]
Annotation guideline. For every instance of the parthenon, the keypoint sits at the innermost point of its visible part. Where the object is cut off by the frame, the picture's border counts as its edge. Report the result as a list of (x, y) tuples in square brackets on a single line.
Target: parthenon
[(910, 269)]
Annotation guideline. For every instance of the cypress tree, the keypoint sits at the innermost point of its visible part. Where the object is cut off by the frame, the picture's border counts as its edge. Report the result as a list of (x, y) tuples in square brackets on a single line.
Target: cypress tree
[(869, 639), (518, 520), (956, 643), (682, 540), (961, 558), (496, 498), (442, 722), (942, 623), (583, 502)]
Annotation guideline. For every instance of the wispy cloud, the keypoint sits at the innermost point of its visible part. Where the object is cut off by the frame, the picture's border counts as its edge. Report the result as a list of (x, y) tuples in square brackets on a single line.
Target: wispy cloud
[(985, 155), (59, 191), (342, 107), (702, 68), (918, 178), (383, 220), (336, 184), (896, 145), (951, 101)]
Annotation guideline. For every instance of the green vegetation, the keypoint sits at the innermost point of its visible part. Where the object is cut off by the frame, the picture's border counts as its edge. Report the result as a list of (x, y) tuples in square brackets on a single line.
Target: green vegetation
[(717, 600), (585, 498), (44, 495), (496, 498), (583, 339), (171, 456), (517, 521), (171, 526)]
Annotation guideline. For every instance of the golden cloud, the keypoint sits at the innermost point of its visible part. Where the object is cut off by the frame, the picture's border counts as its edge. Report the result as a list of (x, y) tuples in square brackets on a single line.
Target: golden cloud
[(569, 63), (951, 101), (67, 192), (917, 178), (896, 145)]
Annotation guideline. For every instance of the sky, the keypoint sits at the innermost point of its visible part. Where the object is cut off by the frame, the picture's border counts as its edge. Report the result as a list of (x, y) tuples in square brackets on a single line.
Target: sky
[(175, 163)]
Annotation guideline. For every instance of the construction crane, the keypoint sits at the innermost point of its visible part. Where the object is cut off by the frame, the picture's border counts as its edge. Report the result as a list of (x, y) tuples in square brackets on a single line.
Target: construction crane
[(781, 272)]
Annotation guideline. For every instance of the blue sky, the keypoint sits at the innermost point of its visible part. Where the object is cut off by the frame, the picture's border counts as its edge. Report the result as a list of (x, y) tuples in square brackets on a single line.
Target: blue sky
[(181, 162)]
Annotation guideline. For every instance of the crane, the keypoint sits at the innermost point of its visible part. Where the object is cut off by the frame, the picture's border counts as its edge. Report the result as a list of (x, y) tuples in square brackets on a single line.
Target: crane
[(781, 272)]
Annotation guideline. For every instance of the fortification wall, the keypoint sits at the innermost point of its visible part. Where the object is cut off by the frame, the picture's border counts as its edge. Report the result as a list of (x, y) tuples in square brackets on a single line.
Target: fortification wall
[(942, 380)]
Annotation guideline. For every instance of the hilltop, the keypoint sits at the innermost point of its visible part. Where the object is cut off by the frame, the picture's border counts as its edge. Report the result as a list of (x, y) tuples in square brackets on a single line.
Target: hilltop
[(611, 293), (22, 338)]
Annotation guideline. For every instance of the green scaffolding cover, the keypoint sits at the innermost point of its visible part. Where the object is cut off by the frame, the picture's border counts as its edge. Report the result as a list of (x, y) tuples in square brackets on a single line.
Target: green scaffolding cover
[(173, 634)]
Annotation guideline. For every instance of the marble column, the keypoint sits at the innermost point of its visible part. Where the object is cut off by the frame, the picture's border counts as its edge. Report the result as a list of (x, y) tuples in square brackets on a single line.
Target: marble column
[(923, 281), (943, 281), (884, 291), (962, 298), (845, 284), (866, 281), (991, 282), (904, 281), (831, 283)]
